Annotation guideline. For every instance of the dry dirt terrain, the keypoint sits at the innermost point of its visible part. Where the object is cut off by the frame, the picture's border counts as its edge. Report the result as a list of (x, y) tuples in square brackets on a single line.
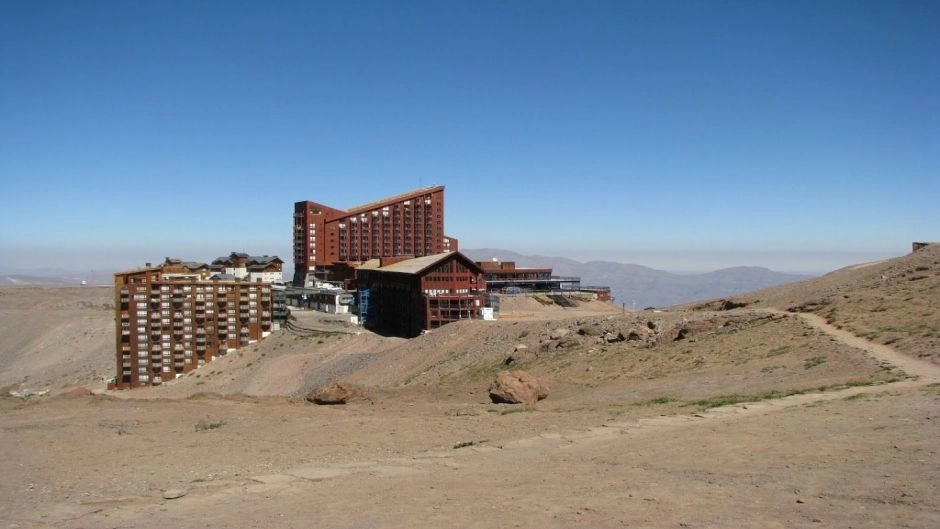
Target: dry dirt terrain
[(810, 405)]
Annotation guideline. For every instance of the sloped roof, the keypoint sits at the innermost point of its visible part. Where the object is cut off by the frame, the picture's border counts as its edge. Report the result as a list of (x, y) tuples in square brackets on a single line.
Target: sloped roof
[(250, 259), (420, 264), (371, 264), (389, 200)]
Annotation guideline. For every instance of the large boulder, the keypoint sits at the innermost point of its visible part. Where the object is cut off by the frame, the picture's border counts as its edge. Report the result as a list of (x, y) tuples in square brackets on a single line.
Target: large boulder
[(517, 387), (334, 393)]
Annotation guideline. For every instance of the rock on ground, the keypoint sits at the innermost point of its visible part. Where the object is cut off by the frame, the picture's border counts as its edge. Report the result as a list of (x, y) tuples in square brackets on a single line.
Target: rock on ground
[(517, 387), (334, 393), (172, 494)]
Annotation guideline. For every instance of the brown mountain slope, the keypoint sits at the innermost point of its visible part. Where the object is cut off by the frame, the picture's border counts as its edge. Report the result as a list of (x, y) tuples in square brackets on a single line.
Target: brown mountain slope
[(894, 302), (56, 337)]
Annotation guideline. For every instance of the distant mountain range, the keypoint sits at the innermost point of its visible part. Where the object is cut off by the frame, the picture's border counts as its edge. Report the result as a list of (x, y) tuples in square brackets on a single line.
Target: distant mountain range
[(641, 286), (630, 284)]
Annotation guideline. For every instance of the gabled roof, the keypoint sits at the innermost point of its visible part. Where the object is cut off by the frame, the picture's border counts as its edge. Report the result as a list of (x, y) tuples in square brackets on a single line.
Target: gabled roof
[(249, 259), (420, 264)]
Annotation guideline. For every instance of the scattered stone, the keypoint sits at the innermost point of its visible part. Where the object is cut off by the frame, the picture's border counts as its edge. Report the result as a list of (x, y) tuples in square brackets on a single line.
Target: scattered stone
[(334, 393), (591, 330), (517, 387), (172, 494), (640, 334), (678, 333), (728, 304)]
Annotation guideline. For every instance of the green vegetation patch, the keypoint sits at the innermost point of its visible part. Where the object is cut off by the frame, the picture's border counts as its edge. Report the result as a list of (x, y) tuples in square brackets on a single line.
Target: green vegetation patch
[(810, 363), (659, 401), (520, 409), (203, 426)]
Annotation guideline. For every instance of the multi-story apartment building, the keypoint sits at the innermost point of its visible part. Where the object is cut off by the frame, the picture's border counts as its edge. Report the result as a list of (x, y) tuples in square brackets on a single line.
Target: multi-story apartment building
[(170, 320), (410, 224)]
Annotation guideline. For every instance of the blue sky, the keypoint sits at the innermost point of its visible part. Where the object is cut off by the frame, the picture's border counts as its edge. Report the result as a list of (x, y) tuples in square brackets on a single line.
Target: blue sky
[(683, 135)]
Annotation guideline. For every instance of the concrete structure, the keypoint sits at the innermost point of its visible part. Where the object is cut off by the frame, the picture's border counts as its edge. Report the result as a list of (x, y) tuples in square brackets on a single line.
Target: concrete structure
[(329, 300), (254, 268), (506, 277), (599, 293), (169, 320), (410, 224), (407, 296)]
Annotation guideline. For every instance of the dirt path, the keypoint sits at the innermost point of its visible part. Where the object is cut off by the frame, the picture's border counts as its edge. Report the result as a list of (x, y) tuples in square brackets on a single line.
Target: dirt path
[(925, 372)]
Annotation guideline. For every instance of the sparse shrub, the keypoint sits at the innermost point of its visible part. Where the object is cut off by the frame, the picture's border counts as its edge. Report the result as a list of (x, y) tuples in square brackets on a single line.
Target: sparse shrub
[(521, 409), (814, 361), (204, 425), (464, 444), (659, 400)]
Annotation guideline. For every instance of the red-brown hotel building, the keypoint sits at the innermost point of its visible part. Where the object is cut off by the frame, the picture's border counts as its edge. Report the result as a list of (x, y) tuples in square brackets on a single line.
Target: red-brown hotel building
[(326, 238)]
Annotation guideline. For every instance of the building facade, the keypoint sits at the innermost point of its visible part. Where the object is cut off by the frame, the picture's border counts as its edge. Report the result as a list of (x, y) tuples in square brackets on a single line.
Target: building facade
[(170, 320), (410, 224), (506, 277), (408, 296), (254, 268)]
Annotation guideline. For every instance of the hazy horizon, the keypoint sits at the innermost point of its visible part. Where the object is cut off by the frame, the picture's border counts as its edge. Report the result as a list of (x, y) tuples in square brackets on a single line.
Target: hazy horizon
[(674, 263)]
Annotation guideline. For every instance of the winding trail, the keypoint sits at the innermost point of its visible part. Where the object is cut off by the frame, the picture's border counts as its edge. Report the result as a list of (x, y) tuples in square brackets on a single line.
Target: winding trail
[(925, 372)]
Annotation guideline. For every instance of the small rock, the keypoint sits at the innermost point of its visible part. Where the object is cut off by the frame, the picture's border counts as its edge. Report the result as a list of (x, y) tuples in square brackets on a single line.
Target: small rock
[(557, 334), (334, 393), (172, 494)]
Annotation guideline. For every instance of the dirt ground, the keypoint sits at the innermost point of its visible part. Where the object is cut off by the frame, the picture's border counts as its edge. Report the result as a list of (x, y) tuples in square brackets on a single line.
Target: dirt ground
[(752, 417)]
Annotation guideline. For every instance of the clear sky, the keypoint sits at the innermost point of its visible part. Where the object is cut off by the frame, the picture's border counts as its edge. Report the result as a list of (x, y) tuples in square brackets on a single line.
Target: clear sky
[(683, 135)]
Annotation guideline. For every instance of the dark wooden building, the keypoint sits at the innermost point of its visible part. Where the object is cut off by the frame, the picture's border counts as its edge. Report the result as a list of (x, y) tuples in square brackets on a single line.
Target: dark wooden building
[(407, 296)]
